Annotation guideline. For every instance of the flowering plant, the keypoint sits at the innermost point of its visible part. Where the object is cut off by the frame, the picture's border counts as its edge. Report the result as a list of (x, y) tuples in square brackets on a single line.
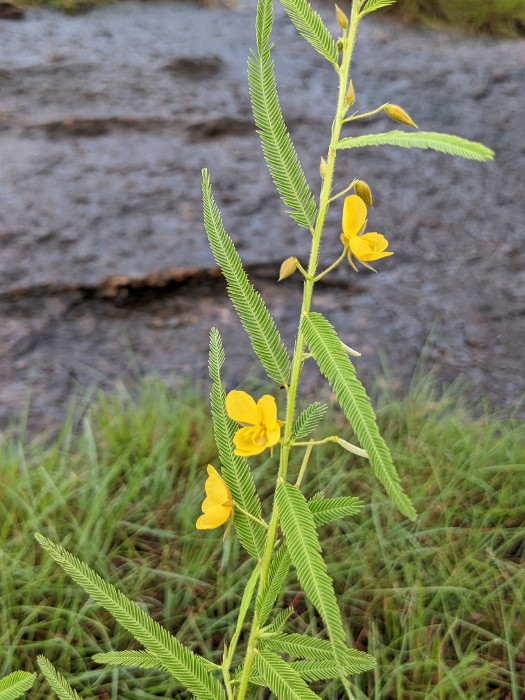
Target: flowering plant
[(260, 653)]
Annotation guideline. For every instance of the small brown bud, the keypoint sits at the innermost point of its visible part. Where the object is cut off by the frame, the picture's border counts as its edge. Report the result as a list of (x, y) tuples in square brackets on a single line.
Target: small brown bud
[(288, 267), (362, 190), (341, 17), (322, 167), (399, 114), (339, 45), (350, 95)]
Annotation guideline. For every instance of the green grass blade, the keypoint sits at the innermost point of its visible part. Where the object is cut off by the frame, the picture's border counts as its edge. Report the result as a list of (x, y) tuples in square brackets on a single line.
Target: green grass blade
[(254, 315), (235, 470), (329, 509), (301, 539), (308, 419), (280, 677), (277, 146), (181, 662), (373, 5), (15, 684), (310, 25), (337, 368), (444, 143), (278, 571), (136, 659), (56, 680)]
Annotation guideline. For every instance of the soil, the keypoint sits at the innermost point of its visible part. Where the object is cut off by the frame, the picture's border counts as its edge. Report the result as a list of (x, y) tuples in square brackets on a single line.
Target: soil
[(106, 121)]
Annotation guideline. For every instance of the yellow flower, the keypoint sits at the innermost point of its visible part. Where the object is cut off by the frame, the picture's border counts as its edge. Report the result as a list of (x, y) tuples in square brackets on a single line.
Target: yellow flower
[(363, 246), (218, 505), (260, 430)]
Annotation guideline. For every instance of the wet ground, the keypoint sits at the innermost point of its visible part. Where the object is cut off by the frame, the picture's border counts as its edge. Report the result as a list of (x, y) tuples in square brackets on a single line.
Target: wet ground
[(105, 123)]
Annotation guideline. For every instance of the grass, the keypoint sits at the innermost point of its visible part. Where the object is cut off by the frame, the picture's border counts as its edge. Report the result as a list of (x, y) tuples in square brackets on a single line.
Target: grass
[(438, 602)]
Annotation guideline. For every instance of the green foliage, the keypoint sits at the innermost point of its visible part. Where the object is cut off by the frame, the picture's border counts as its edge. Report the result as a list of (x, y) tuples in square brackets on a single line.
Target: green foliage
[(57, 681), (235, 470), (276, 577), (136, 659), (280, 677), (327, 510), (337, 368), (305, 551), (252, 311), (15, 684), (276, 143), (188, 668), (310, 25), (444, 143), (373, 5), (307, 420)]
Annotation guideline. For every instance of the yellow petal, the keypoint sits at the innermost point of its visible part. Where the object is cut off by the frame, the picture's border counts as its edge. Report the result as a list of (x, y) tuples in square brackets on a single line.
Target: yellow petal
[(273, 435), (354, 215), (268, 409), (245, 446), (215, 488), (369, 247), (215, 517), (242, 408)]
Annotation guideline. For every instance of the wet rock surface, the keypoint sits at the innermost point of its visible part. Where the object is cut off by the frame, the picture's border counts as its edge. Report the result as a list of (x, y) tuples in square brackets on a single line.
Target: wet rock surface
[(105, 123)]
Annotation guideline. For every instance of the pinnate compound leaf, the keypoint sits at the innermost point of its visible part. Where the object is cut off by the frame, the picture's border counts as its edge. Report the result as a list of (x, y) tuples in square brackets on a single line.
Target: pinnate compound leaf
[(322, 670), (280, 677), (254, 315), (310, 25), (263, 23), (308, 419), (188, 668), (56, 680), (330, 509), (15, 684), (373, 5), (136, 659), (277, 574), (277, 625), (335, 365), (235, 470), (301, 539), (444, 143), (277, 146)]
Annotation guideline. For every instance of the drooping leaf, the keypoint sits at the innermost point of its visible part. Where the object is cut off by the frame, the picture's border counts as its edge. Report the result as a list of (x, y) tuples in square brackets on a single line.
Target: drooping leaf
[(235, 470), (188, 668), (15, 684), (329, 509), (280, 677), (56, 680), (307, 420), (277, 146), (444, 143), (373, 5), (337, 368), (277, 574), (301, 539), (310, 25), (252, 311)]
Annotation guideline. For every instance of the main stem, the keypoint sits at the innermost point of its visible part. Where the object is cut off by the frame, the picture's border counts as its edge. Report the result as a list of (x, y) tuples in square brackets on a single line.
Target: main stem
[(326, 188)]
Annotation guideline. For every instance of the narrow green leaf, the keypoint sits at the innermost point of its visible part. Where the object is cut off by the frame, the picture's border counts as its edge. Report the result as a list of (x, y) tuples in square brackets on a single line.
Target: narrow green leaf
[(310, 25), (277, 146), (307, 420), (329, 509), (337, 368), (301, 539), (280, 677), (373, 5), (444, 143), (15, 684), (56, 680), (278, 571), (137, 659), (263, 23), (235, 470), (299, 646), (188, 668), (252, 311)]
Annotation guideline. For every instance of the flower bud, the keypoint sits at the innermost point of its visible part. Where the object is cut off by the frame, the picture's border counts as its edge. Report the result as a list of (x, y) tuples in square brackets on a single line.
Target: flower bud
[(339, 45), (350, 95), (363, 190), (322, 167), (399, 114), (288, 267), (341, 17)]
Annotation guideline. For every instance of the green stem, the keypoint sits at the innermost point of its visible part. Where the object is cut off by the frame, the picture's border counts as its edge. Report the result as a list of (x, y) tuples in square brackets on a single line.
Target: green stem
[(304, 463), (324, 203), (332, 266)]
